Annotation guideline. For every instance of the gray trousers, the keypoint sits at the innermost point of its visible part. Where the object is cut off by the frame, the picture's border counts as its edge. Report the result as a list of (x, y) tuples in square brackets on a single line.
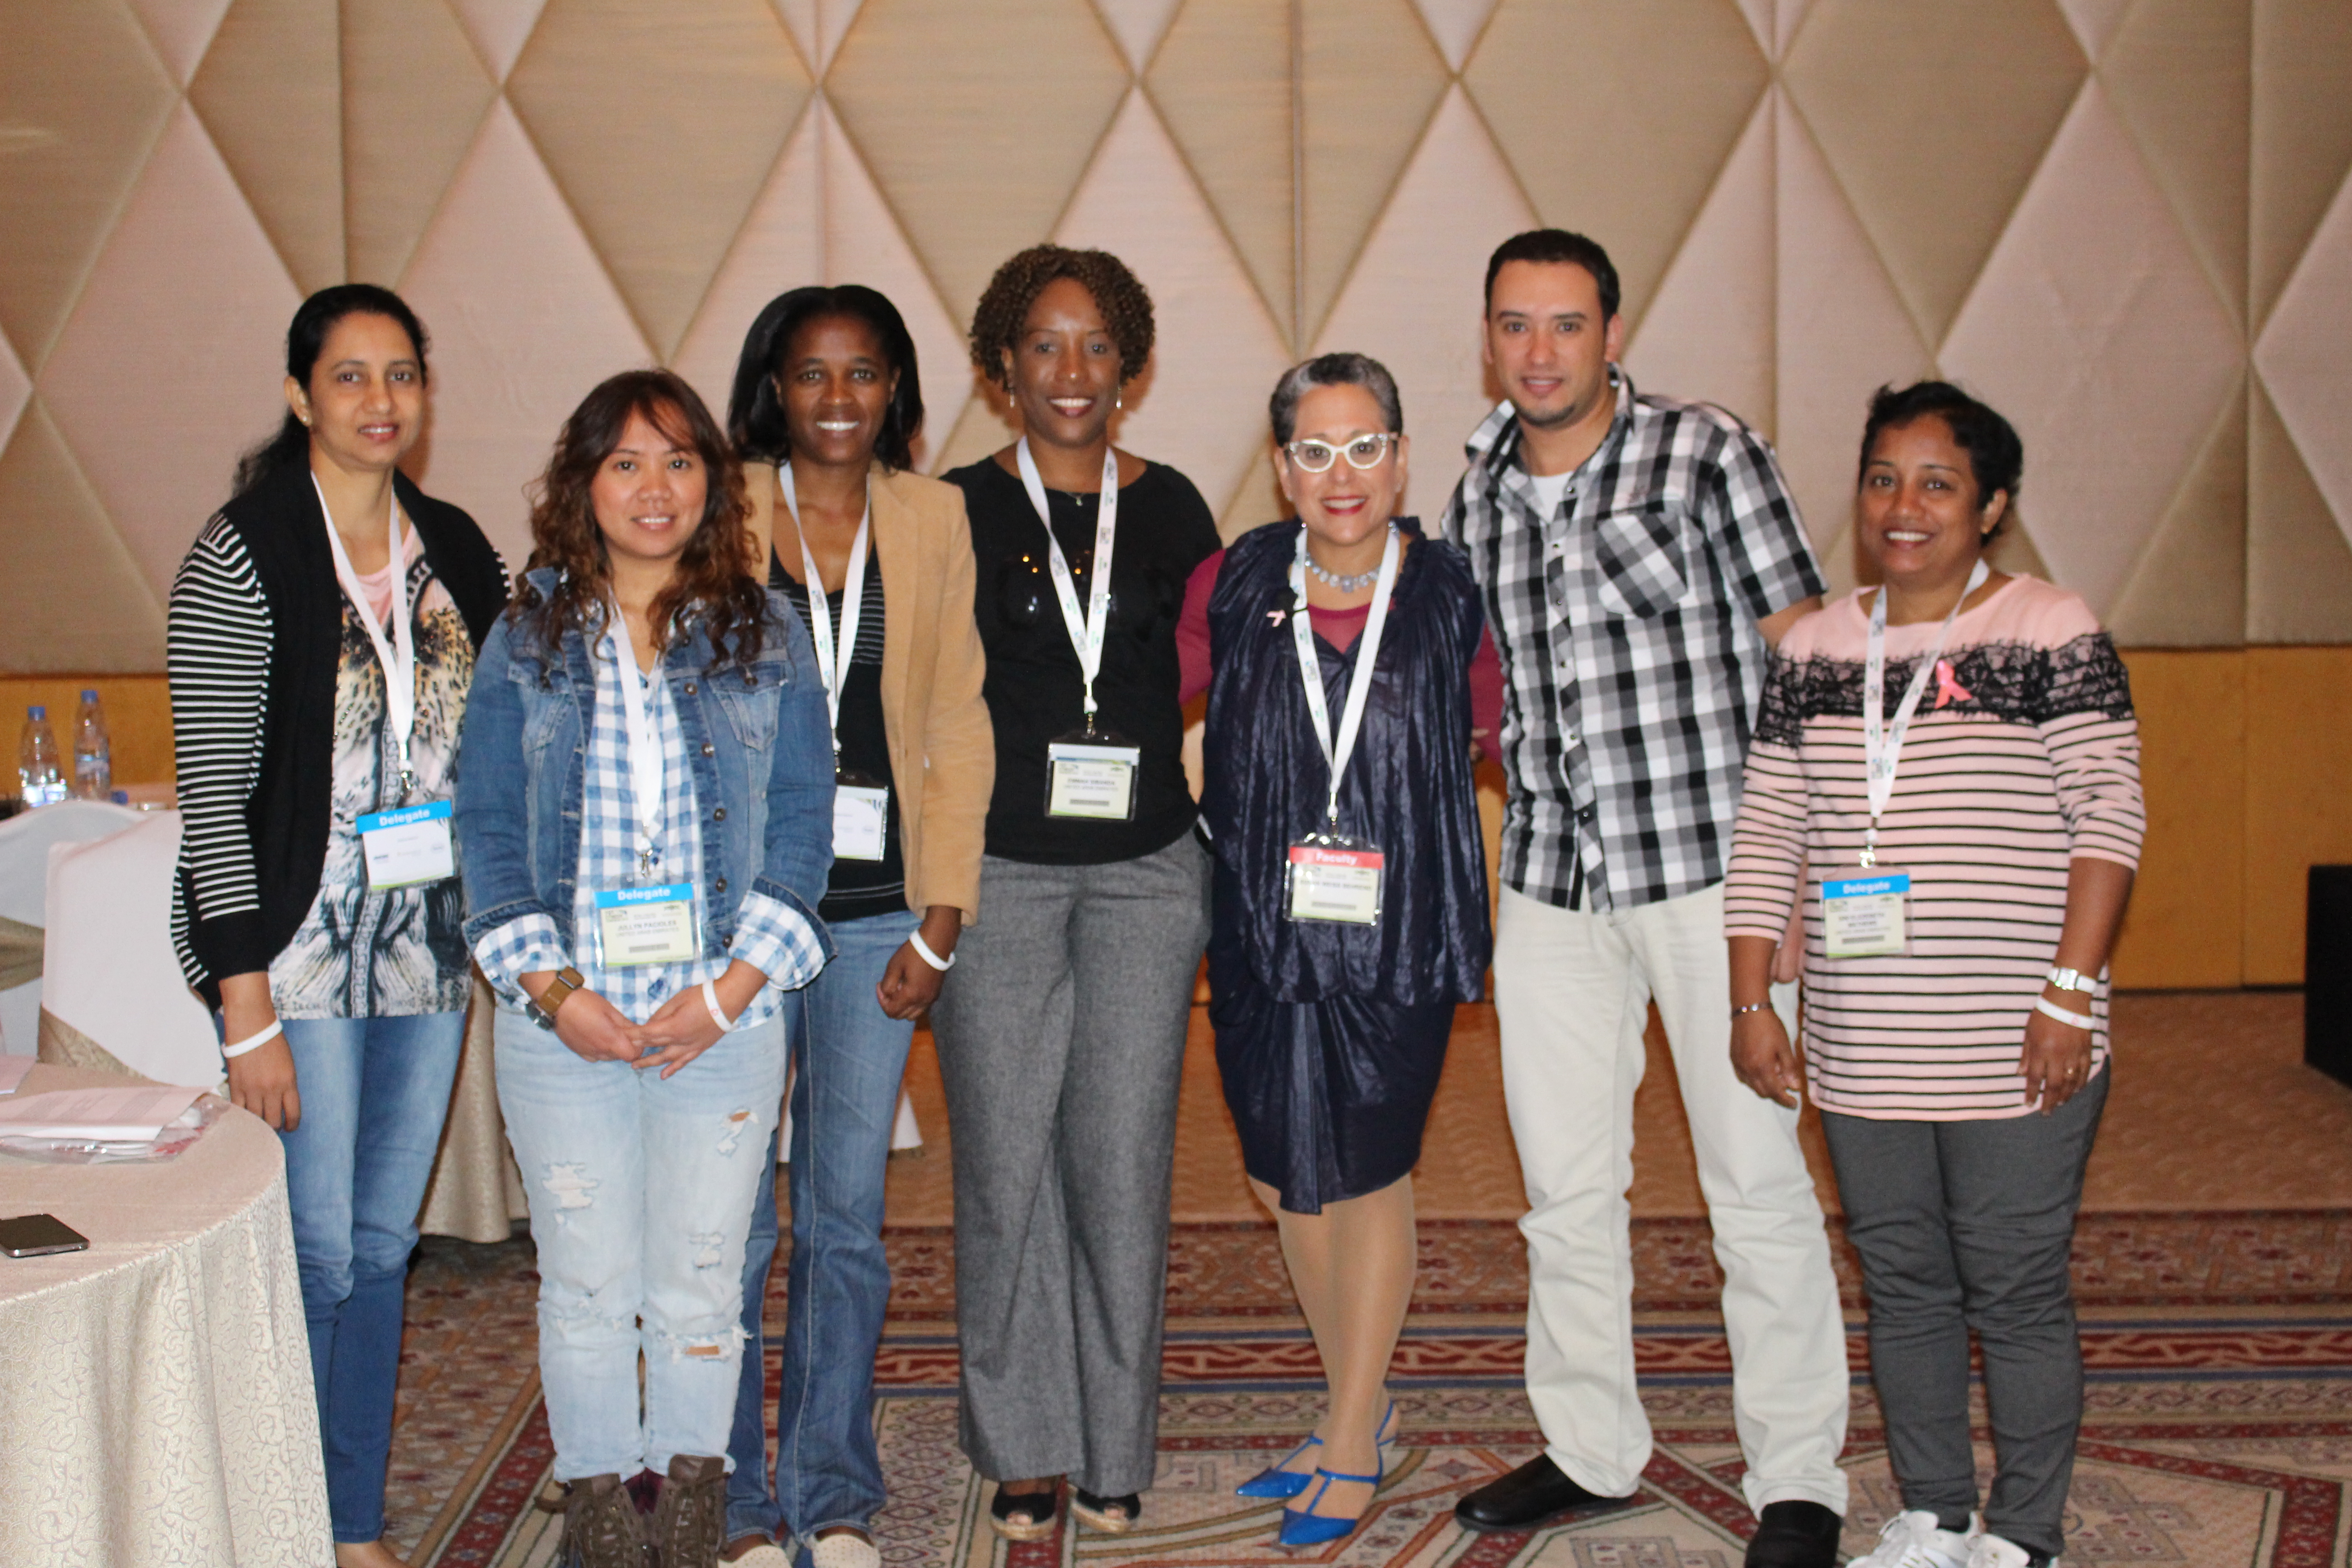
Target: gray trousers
[(1969, 1225), (1061, 1039)]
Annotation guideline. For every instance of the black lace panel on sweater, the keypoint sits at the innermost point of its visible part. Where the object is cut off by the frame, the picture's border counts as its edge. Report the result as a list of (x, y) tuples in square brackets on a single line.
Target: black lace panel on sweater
[(2019, 683)]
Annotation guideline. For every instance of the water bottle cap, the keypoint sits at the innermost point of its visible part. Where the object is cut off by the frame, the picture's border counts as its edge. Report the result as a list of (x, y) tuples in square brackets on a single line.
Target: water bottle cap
[(36, 712), (90, 694)]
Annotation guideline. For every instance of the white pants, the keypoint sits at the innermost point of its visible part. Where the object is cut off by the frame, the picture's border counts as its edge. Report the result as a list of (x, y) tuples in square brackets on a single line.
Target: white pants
[(1572, 991)]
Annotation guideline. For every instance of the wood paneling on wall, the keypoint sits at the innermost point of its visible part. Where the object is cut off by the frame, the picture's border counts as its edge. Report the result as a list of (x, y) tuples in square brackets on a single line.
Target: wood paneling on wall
[(2245, 753)]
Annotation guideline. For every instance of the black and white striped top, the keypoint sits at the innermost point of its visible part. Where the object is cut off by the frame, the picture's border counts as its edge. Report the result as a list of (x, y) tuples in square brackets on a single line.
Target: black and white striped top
[(217, 643)]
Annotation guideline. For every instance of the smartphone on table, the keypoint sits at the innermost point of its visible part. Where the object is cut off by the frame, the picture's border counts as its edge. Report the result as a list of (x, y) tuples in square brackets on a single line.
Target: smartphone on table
[(38, 1235)]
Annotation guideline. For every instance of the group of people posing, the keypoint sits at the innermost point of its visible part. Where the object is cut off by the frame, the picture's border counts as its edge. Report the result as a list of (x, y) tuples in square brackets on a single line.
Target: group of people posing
[(776, 745)]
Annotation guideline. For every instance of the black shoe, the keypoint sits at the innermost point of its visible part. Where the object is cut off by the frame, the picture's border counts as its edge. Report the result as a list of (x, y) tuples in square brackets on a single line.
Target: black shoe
[(1794, 1533), (1534, 1495)]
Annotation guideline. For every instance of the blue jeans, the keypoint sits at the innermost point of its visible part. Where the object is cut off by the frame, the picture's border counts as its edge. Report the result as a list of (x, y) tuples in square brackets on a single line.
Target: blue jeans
[(640, 1192), (851, 1058), (374, 1094)]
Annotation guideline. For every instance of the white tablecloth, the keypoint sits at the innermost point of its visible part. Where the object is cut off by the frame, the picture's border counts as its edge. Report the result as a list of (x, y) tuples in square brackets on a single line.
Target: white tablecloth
[(155, 1402)]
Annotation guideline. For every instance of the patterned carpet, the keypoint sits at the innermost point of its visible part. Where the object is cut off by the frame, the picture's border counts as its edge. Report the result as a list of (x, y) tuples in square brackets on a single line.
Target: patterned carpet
[(2219, 1432)]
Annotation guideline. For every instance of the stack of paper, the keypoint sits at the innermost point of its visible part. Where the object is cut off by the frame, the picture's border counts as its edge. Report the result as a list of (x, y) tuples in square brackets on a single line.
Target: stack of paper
[(135, 1114)]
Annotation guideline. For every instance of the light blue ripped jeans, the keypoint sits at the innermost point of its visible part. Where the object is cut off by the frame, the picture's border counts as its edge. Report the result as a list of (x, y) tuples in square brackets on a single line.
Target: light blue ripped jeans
[(640, 1197)]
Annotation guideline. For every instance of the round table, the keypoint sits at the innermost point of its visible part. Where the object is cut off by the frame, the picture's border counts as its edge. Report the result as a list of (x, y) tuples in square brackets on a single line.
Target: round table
[(156, 1400)]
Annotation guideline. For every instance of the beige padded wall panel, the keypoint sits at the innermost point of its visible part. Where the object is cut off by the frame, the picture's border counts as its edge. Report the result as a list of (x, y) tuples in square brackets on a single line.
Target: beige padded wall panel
[(782, 246), (16, 387), (1138, 25), (1222, 79), (71, 598), (1416, 302), (1708, 336), (2298, 566), (2094, 22), (1618, 117), (863, 244), (1455, 25), (525, 320), (173, 358), (2179, 74), (2188, 587), (87, 98), (1200, 402), (180, 30), (2091, 298), (497, 28), (2305, 356), (2301, 140), (660, 124), (270, 92), (976, 121), (1370, 77), (1935, 114), (415, 92)]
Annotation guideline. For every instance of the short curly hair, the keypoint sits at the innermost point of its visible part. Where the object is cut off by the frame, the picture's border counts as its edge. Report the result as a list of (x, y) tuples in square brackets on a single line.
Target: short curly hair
[(1004, 308)]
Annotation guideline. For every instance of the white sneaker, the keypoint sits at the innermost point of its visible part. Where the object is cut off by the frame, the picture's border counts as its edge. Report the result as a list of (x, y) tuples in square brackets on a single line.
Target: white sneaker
[(767, 1554), (1912, 1540), (845, 1551), (1991, 1552)]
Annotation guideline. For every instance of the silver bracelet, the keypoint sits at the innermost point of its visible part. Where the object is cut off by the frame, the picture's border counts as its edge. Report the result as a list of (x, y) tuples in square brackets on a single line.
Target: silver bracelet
[(2049, 1009), (2069, 980), (923, 951), (1751, 1007), (252, 1042), (717, 1013)]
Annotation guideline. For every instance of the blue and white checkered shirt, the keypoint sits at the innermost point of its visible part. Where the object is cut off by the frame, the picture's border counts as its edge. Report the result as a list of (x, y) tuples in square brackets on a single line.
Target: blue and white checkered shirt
[(768, 936), (1632, 663)]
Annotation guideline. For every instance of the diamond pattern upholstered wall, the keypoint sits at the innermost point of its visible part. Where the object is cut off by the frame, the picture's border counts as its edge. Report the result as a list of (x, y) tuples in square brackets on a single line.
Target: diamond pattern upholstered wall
[(2126, 222)]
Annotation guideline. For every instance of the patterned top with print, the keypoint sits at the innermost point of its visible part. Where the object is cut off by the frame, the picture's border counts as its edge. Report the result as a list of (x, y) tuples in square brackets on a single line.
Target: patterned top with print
[(399, 951)]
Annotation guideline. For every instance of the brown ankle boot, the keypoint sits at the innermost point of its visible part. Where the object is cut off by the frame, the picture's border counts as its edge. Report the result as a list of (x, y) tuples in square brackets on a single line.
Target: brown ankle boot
[(690, 1520), (601, 1526)]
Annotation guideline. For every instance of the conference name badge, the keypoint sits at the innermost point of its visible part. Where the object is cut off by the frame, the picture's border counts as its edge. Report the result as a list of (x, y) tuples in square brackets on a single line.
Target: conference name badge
[(407, 847), (1086, 779), (861, 821), (1335, 878), (647, 925), (1866, 917)]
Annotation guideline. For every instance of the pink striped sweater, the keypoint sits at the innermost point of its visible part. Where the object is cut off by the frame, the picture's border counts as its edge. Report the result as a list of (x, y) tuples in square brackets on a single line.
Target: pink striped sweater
[(2024, 755)]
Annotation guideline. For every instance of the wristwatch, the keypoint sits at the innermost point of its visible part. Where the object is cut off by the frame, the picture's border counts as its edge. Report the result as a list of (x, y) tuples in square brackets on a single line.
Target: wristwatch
[(2070, 980), (542, 1011)]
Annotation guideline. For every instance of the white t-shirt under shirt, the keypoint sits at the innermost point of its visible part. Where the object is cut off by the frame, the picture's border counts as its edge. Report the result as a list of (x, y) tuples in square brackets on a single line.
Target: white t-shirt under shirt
[(1549, 487)]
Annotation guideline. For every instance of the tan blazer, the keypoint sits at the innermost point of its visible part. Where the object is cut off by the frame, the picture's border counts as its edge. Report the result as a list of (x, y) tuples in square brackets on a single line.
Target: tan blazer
[(942, 747)]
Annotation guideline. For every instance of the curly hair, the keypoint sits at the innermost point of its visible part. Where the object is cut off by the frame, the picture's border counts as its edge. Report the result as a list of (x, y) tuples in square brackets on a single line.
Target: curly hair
[(1003, 310), (1996, 456), (713, 579)]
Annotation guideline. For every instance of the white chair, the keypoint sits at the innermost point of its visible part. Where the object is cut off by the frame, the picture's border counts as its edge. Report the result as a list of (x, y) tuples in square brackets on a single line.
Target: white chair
[(24, 843), (109, 970)]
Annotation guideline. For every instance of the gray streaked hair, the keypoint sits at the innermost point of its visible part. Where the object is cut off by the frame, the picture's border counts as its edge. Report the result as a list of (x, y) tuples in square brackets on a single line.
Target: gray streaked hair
[(1333, 370)]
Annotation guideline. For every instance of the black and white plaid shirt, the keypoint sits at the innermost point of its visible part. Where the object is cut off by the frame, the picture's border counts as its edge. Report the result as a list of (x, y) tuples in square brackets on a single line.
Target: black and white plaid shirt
[(1626, 620)]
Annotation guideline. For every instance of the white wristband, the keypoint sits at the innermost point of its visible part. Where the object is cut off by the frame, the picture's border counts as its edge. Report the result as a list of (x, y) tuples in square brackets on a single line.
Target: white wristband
[(923, 951), (252, 1042), (717, 1013), (2049, 1009)]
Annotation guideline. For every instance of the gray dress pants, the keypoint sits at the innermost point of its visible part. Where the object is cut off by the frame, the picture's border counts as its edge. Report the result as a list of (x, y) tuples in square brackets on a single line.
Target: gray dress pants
[(1970, 1225), (1061, 1040)]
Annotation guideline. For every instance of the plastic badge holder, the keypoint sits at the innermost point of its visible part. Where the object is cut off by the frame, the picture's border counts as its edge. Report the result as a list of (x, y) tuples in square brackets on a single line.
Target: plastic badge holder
[(176, 1138)]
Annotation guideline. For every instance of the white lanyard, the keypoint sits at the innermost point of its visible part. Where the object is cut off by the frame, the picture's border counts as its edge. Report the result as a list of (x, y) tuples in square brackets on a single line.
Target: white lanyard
[(398, 656), (1359, 684), (1086, 635), (1881, 745), (646, 762), (834, 668)]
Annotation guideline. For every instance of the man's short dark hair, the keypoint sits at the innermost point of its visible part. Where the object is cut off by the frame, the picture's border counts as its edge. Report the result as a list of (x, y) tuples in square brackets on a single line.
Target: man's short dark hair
[(1558, 245)]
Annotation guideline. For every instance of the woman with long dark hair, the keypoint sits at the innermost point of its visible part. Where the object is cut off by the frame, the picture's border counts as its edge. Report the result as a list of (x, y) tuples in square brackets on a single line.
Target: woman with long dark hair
[(877, 562), (1062, 1029), (645, 809), (321, 645)]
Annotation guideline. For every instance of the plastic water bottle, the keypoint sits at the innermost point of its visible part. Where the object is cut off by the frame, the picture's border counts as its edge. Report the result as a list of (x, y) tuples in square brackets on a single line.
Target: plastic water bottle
[(93, 758), (39, 778)]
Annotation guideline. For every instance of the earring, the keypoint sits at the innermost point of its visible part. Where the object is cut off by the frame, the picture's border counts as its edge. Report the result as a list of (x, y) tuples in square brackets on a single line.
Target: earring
[(1118, 400)]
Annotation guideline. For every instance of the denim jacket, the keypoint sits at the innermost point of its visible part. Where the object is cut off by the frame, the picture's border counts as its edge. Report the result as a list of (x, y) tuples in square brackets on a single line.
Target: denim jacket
[(758, 742)]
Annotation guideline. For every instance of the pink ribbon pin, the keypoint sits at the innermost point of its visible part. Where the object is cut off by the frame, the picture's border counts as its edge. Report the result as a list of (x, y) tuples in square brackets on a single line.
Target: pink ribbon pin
[(1949, 690)]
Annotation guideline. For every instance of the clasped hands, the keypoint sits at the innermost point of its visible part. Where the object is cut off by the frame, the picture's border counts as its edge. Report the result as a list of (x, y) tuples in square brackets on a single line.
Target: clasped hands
[(681, 1030)]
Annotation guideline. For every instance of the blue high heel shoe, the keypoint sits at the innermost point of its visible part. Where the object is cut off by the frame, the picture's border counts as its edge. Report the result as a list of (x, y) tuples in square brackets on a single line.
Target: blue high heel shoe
[(1280, 1481), (1303, 1527)]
